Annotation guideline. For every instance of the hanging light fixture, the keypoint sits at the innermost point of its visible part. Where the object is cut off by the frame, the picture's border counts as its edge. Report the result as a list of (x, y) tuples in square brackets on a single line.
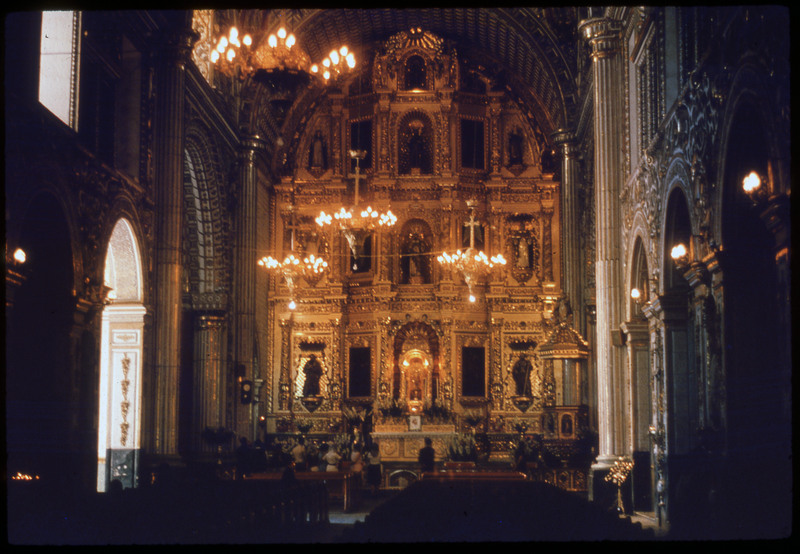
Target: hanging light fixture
[(356, 221), (337, 63), (296, 266), (276, 58), (471, 263)]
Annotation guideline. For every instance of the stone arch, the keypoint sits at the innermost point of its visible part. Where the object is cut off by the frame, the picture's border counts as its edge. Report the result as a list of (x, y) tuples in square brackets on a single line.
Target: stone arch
[(681, 370), (753, 318), (677, 230), (206, 250), (40, 318), (638, 276)]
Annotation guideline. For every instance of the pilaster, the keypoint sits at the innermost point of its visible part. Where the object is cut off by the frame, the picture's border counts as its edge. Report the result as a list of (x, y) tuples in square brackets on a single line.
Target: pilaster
[(168, 136)]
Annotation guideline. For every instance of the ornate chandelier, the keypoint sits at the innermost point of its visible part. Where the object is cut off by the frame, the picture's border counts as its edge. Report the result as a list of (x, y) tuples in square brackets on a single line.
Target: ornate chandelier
[(471, 263), (355, 222), (261, 55), (296, 266)]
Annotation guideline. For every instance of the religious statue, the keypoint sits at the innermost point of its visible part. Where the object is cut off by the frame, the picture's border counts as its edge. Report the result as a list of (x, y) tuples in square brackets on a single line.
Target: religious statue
[(522, 376), (523, 253), (515, 148), (416, 151), (317, 153), (415, 264), (313, 372)]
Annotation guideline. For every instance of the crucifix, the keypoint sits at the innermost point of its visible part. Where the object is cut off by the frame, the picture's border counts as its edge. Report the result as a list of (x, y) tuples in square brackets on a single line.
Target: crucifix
[(357, 155), (292, 226), (472, 223)]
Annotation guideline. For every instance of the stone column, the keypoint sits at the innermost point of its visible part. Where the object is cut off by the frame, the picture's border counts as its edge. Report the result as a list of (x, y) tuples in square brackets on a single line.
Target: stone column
[(570, 250), (168, 136), (604, 38), (209, 381), (244, 272)]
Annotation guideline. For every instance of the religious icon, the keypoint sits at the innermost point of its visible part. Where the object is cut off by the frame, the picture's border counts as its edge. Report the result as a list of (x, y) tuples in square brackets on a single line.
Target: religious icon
[(317, 152), (524, 253), (515, 148), (313, 372), (521, 374)]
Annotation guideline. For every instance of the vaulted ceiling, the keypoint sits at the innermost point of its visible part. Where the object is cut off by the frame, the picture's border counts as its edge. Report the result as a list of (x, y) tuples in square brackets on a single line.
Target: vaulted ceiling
[(533, 50)]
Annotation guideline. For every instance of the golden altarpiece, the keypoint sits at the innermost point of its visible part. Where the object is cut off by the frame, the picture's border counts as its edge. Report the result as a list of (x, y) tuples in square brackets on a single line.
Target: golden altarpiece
[(386, 329)]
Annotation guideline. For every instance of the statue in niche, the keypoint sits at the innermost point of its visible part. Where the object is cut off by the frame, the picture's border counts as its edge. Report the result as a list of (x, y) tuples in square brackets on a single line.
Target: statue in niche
[(515, 140), (313, 372), (521, 373), (566, 425), (416, 149), (316, 155), (524, 253), (414, 263)]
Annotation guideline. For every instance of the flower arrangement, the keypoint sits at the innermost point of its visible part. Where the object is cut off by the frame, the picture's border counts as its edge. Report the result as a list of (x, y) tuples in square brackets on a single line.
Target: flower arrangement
[(520, 427), (354, 416), (304, 425), (343, 445), (436, 412), (283, 425), (462, 448), (473, 418), (392, 409)]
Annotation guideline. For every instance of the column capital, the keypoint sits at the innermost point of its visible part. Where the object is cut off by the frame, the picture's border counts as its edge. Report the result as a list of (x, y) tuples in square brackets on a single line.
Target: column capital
[(176, 46), (562, 137), (603, 35)]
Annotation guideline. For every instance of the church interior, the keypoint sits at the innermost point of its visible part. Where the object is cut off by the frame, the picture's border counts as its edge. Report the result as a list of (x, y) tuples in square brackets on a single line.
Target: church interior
[(557, 234)]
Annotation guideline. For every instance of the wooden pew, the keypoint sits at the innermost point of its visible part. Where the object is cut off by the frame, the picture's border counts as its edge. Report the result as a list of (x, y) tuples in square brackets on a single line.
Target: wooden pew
[(473, 476), (340, 484)]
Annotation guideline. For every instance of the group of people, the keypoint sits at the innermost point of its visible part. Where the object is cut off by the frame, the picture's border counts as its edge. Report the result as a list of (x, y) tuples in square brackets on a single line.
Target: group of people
[(364, 462)]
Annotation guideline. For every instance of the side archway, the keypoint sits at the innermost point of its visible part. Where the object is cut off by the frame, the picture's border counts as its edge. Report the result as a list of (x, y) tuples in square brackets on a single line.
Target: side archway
[(121, 344)]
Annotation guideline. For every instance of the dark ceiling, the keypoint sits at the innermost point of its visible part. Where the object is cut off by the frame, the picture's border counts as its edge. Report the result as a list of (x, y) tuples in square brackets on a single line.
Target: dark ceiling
[(534, 48)]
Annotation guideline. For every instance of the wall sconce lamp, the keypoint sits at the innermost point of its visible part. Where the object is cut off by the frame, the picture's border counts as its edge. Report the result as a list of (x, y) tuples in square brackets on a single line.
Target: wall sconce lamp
[(680, 255), (755, 186), (636, 296), (20, 256)]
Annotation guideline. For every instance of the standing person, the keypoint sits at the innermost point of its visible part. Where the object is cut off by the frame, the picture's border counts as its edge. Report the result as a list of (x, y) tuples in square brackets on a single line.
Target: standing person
[(520, 458), (427, 456), (374, 469), (331, 459), (357, 463), (299, 455)]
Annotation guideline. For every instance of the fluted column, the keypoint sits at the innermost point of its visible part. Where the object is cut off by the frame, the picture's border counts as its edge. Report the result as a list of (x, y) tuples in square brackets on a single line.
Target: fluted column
[(209, 381), (245, 256), (570, 250), (168, 135), (604, 38)]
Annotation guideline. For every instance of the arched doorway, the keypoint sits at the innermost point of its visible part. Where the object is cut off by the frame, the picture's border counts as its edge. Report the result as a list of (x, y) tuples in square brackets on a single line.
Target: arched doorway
[(40, 437), (119, 402), (757, 374), (638, 350)]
